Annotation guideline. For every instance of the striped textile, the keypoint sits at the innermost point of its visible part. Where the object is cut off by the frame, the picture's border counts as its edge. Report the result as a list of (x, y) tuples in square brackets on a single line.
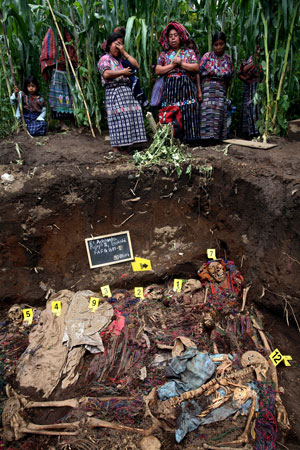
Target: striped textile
[(250, 111), (181, 91), (50, 56), (60, 97), (124, 116), (213, 109), (34, 127)]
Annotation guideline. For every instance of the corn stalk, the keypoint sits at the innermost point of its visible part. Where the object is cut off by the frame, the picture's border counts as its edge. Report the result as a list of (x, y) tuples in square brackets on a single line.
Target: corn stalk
[(285, 62)]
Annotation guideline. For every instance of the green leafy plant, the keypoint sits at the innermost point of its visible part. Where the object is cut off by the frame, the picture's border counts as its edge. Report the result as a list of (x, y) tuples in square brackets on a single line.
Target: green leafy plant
[(276, 24), (164, 152)]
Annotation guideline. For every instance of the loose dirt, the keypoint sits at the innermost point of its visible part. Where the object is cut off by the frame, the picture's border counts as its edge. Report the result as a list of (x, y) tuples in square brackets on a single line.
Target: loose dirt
[(241, 201)]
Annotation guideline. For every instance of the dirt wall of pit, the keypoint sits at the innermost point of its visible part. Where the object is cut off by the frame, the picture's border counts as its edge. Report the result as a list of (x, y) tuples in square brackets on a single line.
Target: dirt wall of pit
[(249, 217)]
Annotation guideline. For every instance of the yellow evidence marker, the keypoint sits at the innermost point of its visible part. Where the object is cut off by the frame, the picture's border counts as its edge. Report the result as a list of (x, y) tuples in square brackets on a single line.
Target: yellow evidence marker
[(105, 291), (56, 308), (276, 357), (28, 315), (139, 292), (94, 303), (177, 285), (211, 253), (141, 264)]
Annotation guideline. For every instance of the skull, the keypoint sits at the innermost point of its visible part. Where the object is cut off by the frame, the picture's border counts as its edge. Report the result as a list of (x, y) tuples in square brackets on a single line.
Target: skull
[(216, 270), (154, 292), (191, 285), (15, 314)]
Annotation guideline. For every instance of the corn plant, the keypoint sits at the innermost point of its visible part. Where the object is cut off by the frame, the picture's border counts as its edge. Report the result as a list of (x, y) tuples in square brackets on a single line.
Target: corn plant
[(276, 24)]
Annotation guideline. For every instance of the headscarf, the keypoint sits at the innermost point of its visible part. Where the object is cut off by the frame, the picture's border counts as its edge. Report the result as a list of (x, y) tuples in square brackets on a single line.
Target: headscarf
[(181, 30)]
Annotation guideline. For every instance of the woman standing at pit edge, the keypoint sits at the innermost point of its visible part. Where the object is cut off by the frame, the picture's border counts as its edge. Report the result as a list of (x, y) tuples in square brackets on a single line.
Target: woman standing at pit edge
[(216, 69), (177, 63), (124, 113)]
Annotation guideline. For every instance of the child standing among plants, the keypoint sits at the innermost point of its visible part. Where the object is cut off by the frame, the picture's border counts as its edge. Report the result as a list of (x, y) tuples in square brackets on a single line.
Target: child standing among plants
[(33, 106)]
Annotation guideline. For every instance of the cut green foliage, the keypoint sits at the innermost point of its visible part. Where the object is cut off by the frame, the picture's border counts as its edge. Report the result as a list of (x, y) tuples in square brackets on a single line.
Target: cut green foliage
[(165, 152), (274, 24)]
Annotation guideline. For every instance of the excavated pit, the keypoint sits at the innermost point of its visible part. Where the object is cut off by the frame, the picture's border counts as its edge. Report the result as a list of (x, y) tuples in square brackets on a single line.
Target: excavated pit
[(243, 202)]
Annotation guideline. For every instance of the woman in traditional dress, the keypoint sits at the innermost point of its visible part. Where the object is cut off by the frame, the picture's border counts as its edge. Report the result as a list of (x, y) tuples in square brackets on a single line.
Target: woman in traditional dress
[(216, 69), (53, 66), (177, 63), (124, 113), (249, 74)]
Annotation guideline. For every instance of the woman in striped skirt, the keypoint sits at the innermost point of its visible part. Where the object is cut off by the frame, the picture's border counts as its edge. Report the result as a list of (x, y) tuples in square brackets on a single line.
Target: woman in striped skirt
[(249, 73), (177, 63), (216, 69), (124, 113)]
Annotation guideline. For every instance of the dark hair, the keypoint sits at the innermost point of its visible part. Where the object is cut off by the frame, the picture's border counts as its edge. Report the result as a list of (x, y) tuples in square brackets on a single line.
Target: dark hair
[(219, 35), (33, 80), (112, 38)]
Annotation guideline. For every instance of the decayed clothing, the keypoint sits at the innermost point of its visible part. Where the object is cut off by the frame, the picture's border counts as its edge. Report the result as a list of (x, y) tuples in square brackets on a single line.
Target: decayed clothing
[(215, 73), (124, 113), (250, 111), (180, 90), (34, 111), (57, 343)]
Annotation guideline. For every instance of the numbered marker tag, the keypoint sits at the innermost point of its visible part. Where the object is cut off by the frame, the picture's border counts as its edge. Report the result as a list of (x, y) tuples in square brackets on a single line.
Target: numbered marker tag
[(177, 285), (105, 291), (56, 308), (211, 253), (94, 303), (139, 292), (28, 315), (276, 357)]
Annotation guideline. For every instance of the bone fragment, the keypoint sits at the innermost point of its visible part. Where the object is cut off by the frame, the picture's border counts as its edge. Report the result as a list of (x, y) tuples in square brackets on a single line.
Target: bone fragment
[(282, 417), (199, 391), (92, 422), (244, 439), (213, 447), (73, 403), (245, 292)]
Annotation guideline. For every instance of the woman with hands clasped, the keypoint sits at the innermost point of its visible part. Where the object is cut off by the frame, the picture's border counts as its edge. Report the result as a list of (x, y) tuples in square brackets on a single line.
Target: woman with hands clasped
[(124, 113), (177, 63)]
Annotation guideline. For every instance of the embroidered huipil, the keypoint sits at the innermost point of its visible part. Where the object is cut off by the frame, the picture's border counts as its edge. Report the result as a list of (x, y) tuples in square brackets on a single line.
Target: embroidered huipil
[(214, 66), (32, 104), (108, 62), (186, 56)]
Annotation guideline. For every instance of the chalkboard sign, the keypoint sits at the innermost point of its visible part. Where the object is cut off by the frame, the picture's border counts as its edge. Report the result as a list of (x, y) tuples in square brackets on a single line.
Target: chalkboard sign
[(109, 249)]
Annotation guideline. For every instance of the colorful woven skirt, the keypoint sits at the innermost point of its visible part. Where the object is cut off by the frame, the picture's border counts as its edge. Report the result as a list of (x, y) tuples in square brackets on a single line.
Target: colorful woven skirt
[(34, 127), (124, 116), (213, 109), (60, 97), (181, 91), (250, 112)]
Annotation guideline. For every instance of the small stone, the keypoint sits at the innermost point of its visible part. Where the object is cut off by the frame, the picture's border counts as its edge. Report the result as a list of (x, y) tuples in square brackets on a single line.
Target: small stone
[(7, 178), (150, 443)]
